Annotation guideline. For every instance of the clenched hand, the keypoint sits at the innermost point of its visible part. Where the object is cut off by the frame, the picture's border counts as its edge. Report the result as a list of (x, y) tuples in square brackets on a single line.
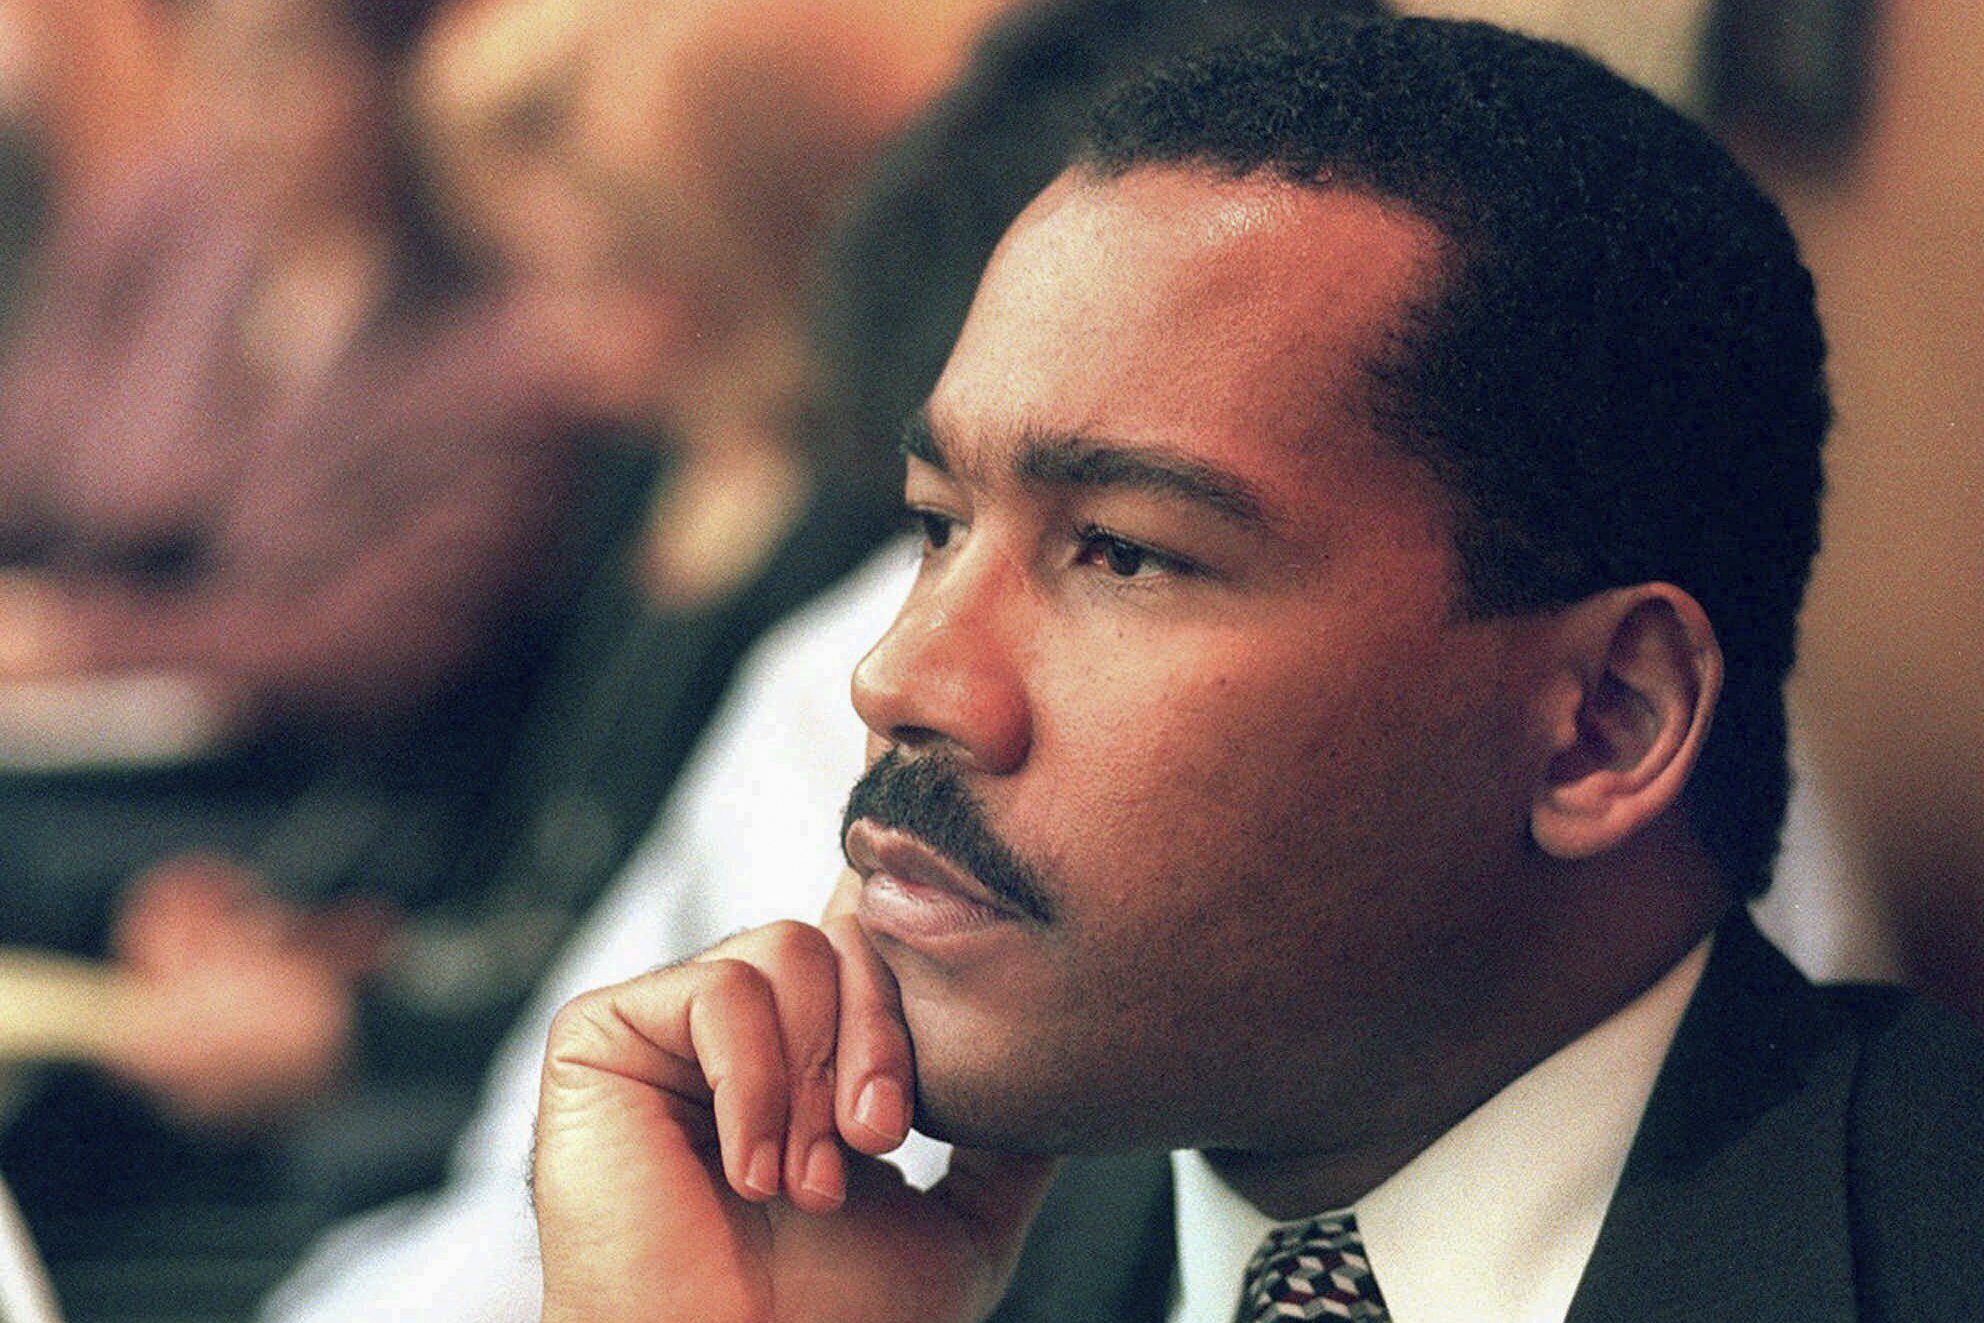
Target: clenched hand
[(706, 1141)]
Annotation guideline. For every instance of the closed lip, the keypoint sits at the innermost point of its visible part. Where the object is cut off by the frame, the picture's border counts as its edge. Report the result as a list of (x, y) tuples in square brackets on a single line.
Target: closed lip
[(909, 861)]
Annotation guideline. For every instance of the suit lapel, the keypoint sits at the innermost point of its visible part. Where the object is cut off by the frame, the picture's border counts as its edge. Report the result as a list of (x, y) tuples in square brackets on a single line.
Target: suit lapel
[(1733, 1201)]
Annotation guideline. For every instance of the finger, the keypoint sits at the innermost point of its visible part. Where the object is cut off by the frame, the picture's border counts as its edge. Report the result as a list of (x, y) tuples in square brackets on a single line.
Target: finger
[(735, 1038), (875, 1065), (702, 1036), (799, 966), (636, 1215), (639, 1032)]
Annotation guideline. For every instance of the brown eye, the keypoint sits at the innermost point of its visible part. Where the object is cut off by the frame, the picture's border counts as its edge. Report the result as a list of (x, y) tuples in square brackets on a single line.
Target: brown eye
[(1125, 560), (936, 528)]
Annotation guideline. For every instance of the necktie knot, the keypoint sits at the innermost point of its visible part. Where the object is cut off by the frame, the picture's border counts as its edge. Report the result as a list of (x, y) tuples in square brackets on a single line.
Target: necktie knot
[(1309, 1270)]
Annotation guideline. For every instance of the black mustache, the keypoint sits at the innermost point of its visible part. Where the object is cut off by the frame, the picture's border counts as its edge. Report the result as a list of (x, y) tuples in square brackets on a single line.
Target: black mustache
[(927, 798)]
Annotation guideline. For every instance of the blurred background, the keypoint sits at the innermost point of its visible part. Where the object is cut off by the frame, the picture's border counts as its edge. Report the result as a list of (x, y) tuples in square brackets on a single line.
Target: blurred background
[(411, 411)]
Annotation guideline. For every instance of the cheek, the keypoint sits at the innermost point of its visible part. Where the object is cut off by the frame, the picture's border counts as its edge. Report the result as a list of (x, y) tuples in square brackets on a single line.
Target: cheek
[(1139, 731), (1121, 754), (1265, 774), (1154, 787)]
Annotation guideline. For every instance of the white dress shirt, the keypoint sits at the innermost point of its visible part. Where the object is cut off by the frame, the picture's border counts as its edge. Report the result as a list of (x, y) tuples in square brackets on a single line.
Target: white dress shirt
[(1495, 1220), (25, 1296)]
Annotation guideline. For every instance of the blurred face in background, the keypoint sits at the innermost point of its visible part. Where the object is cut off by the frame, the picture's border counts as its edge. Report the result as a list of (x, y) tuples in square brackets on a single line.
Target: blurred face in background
[(494, 92), (658, 175), (292, 95), (17, 66)]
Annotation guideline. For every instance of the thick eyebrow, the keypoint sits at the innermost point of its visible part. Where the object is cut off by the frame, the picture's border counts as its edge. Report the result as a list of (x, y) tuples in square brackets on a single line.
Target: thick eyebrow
[(919, 442), (1100, 463)]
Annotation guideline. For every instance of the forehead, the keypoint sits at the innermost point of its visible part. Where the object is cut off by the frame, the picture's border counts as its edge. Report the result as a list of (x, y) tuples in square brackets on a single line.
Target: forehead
[(1188, 309)]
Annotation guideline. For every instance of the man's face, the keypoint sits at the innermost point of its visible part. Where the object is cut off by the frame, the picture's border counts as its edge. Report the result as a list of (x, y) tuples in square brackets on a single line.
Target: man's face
[(1182, 682)]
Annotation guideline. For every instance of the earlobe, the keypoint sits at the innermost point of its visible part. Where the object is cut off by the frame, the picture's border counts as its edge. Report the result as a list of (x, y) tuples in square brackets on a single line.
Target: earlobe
[(1627, 730)]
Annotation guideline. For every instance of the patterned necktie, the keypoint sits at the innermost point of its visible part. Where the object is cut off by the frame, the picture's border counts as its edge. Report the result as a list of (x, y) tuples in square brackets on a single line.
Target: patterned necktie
[(1313, 1269)]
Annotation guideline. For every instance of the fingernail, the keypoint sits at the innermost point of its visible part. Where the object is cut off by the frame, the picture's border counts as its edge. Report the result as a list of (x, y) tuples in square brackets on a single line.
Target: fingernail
[(823, 1171), (762, 1175), (882, 1108)]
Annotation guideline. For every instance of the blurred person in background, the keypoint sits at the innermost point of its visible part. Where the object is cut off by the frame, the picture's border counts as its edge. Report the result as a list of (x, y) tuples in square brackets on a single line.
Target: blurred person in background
[(21, 184), (83, 86), (243, 1001), (683, 341), (274, 481), (283, 517), (250, 427)]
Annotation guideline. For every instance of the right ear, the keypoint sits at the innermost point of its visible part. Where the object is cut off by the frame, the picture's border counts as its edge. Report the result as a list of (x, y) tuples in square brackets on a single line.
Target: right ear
[(1627, 730)]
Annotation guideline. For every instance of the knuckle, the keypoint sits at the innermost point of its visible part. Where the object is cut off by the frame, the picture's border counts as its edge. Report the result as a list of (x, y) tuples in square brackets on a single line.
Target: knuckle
[(580, 1039), (728, 978), (796, 944), (578, 1020)]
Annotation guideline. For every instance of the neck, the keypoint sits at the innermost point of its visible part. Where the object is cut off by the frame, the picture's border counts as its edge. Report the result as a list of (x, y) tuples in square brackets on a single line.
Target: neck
[(739, 481), (1287, 1187)]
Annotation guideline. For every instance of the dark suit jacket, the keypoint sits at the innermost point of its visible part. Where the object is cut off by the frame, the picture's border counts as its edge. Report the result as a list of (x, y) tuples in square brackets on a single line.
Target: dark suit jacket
[(1808, 1156)]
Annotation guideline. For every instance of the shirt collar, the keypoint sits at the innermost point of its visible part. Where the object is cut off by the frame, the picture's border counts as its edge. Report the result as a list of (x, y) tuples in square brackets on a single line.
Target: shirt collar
[(1494, 1221)]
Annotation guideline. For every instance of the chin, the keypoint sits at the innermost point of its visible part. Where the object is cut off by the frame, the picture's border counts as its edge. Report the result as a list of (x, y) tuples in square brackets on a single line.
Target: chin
[(1019, 1083)]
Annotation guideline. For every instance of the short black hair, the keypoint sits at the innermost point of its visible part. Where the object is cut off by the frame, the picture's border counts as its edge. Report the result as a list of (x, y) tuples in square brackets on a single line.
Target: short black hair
[(901, 269), (1620, 377)]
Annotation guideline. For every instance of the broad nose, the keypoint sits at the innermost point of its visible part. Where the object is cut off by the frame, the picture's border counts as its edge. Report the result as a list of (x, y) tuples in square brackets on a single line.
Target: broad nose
[(947, 674)]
